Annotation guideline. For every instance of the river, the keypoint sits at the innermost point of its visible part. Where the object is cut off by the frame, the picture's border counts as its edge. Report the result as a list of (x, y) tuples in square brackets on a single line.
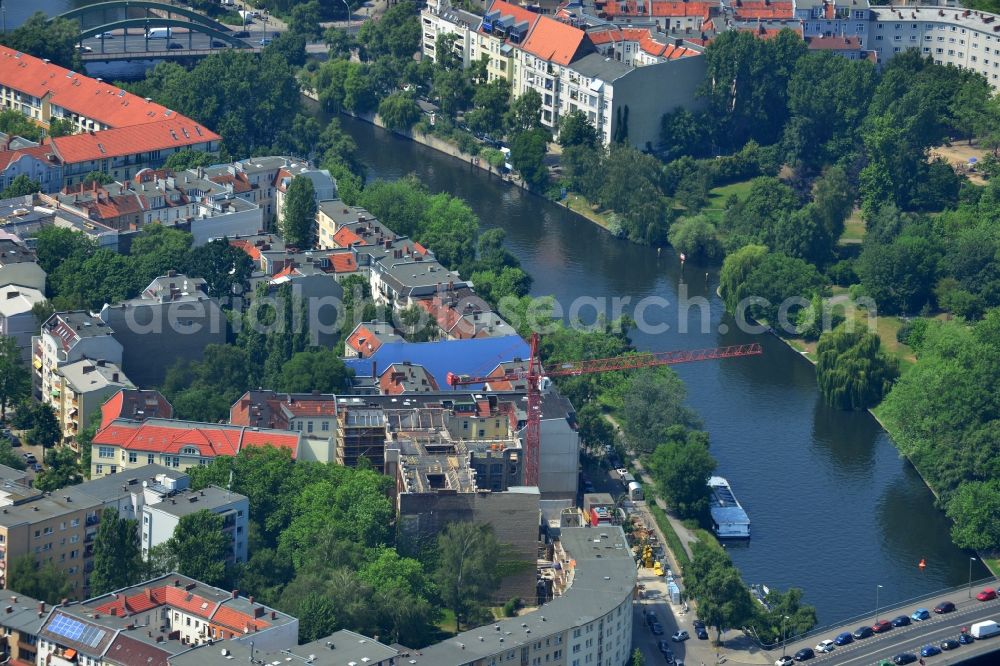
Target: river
[(835, 510)]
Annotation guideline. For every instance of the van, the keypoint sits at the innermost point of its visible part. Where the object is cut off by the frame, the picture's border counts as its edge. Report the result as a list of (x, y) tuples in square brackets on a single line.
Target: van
[(159, 33), (984, 629), (634, 491)]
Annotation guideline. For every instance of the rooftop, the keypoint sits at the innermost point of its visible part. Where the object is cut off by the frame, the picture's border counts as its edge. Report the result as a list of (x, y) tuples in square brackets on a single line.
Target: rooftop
[(603, 576), (86, 375), (557, 42), (12, 252), (191, 501), (76, 93), (177, 132), (35, 508), (203, 439), (112, 487), (367, 337), (597, 66), (342, 648), (20, 613), (137, 405), (15, 299)]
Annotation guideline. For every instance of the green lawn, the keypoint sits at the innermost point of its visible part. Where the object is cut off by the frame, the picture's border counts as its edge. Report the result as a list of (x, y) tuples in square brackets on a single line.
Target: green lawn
[(717, 198), (579, 204), (854, 229)]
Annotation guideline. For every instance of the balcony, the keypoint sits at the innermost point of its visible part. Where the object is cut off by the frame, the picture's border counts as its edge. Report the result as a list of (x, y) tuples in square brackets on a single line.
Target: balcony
[(93, 520)]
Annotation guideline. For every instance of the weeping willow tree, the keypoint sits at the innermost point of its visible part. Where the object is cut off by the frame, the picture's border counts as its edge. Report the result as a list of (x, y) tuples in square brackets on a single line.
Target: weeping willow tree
[(853, 372)]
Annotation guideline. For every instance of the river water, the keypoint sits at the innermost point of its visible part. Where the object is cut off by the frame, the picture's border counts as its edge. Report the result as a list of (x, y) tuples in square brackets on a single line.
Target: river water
[(834, 509)]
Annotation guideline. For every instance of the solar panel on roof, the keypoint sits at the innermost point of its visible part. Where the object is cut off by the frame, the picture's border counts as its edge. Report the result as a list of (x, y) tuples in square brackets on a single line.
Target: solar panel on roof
[(75, 630)]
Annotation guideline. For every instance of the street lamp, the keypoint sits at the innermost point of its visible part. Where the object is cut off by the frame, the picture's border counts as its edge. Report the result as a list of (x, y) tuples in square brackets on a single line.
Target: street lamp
[(877, 588), (784, 639), (971, 560), (348, 8)]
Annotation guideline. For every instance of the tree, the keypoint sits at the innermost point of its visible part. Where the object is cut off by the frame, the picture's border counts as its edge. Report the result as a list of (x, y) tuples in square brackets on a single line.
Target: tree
[(98, 177), (576, 130), (491, 101), (225, 268), (696, 237), (723, 598), (62, 470), (318, 370), (317, 617), (20, 186), (681, 467), (15, 379), (527, 155), (117, 554), (299, 214), (399, 111), (45, 430), (774, 283), (200, 548), (61, 127), (339, 42), (525, 113), (652, 404), (158, 249), (16, 123), (900, 276), (784, 616), (56, 245), (973, 509), (467, 573), (8, 457), (39, 581), (189, 159), (637, 658), (304, 19), (53, 39), (852, 370)]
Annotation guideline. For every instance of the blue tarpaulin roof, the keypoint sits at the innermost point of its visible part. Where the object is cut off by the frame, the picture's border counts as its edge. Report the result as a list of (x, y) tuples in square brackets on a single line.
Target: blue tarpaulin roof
[(463, 357)]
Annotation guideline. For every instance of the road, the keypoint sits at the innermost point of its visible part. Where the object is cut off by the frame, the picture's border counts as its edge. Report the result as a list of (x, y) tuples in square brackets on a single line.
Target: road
[(911, 638)]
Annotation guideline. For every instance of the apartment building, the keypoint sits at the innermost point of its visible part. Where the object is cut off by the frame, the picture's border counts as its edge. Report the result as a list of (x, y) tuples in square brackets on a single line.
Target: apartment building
[(173, 319), (964, 38), (20, 622), (156, 620), (34, 162), (368, 337), (136, 405), (16, 317), (447, 20), (337, 649), (57, 528), (79, 389), (68, 337), (173, 500), (587, 623), (19, 265), (263, 180)]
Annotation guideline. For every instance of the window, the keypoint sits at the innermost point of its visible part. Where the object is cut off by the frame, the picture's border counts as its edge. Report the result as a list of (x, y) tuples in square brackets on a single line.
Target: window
[(150, 459), (189, 451), (325, 426), (132, 457), (105, 452), (100, 469)]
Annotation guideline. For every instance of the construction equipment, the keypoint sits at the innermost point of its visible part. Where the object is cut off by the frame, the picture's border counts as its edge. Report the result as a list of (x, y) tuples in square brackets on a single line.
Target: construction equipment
[(538, 380)]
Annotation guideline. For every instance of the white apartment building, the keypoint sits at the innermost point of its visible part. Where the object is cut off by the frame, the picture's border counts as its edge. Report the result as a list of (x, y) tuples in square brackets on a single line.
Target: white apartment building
[(16, 317), (951, 36), (170, 499), (437, 19), (67, 337)]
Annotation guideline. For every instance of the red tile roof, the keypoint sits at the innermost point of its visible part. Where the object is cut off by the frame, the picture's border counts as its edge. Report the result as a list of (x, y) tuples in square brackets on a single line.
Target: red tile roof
[(834, 43), (763, 9), (184, 600), (519, 14), (661, 9), (79, 94), (371, 340), (247, 247), (556, 42), (346, 238), (178, 132), (127, 650), (8, 157), (166, 436), (343, 262), (239, 182)]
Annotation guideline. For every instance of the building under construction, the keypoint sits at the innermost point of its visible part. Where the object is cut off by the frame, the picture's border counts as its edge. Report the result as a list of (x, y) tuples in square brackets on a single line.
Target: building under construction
[(442, 478)]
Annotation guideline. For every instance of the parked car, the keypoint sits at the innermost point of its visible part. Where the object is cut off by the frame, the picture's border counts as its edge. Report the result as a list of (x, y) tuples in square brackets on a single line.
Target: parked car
[(35, 467), (698, 624), (680, 636), (921, 614), (266, 41), (929, 650), (175, 45), (218, 44), (965, 638), (107, 35), (656, 628), (824, 646), (988, 594), (242, 34), (944, 607), (784, 661), (664, 647), (882, 626), (904, 658), (15, 441), (949, 644), (650, 617), (804, 654), (29, 457), (901, 621), (83, 48), (863, 632), (701, 633), (844, 639)]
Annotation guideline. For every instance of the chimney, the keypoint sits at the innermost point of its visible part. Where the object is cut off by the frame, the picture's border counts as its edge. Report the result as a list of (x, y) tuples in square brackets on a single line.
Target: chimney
[(149, 594), (258, 611), (114, 376), (236, 593), (250, 599)]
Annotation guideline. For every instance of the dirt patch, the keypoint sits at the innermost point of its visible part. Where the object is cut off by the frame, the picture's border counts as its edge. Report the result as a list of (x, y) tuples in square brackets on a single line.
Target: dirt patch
[(958, 154)]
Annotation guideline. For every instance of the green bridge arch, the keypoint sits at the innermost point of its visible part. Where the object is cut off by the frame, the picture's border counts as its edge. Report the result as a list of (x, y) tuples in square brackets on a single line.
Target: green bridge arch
[(100, 7), (157, 22)]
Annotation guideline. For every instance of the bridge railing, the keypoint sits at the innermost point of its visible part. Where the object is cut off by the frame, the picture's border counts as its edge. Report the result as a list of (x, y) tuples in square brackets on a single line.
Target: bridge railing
[(863, 618)]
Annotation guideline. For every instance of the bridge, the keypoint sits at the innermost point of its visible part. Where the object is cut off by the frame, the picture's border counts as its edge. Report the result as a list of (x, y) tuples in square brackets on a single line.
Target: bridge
[(118, 30), (911, 638)]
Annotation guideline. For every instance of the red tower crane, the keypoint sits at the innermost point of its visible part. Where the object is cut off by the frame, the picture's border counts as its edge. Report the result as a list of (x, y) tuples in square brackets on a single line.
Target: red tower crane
[(535, 372)]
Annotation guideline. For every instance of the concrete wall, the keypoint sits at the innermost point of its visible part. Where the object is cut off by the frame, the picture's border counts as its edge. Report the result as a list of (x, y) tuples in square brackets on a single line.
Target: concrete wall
[(513, 516), (653, 90), (21, 327), (558, 459), (155, 335), (241, 223)]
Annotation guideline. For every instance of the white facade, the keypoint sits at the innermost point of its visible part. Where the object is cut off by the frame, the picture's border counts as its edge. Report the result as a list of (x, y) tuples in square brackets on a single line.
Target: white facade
[(162, 512), (960, 37), (66, 338), (16, 318), (78, 390)]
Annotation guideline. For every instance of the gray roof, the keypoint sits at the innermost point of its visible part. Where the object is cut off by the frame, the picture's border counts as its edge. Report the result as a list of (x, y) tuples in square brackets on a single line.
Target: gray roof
[(15, 299), (338, 649), (59, 503), (114, 486), (22, 615), (85, 375), (341, 213), (84, 324), (597, 66), (405, 275), (605, 576), (187, 502), (15, 253)]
